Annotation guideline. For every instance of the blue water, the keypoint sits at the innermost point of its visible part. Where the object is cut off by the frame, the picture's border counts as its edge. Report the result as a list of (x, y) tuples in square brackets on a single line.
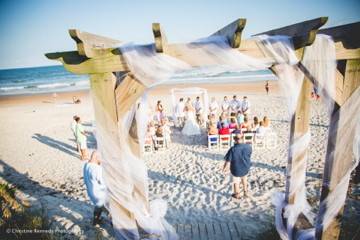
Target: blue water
[(52, 79), (40, 80)]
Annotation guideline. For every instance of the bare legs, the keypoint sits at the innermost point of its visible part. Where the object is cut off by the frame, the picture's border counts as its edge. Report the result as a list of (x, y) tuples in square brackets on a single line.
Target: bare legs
[(83, 154), (237, 188)]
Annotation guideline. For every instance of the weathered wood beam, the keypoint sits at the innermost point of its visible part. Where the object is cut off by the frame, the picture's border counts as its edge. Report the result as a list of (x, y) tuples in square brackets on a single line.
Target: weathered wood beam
[(127, 92), (232, 32), (347, 40), (160, 38), (91, 45), (339, 157), (303, 33), (79, 64)]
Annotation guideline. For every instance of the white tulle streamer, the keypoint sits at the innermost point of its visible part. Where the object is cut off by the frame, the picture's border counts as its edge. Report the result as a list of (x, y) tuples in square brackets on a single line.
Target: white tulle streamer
[(320, 61), (124, 171)]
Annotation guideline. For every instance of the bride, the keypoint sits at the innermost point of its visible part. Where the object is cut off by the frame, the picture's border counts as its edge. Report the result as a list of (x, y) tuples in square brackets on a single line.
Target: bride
[(190, 127)]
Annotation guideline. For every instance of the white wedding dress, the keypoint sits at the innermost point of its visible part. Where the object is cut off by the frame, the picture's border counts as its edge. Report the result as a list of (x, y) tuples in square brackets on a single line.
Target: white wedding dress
[(191, 127)]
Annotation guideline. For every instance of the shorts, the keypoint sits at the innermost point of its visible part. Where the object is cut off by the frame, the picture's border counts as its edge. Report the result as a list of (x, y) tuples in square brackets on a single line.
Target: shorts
[(235, 180), (83, 144)]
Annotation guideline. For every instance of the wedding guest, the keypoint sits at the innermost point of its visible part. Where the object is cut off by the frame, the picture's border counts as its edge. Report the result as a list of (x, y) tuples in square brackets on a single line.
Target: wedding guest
[(233, 123), (255, 124), (222, 121), (95, 186), (81, 139), (179, 113), (246, 124), (240, 117), (238, 161), (261, 129), (212, 130), (225, 106), (214, 107), (198, 111), (237, 129), (73, 129), (266, 122), (234, 105), (245, 106), (159, 111), (224, 130)]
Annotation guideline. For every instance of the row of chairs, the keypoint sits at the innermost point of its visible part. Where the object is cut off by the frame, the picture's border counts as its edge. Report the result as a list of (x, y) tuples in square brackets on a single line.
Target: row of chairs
[(156, 143), (258, 141)]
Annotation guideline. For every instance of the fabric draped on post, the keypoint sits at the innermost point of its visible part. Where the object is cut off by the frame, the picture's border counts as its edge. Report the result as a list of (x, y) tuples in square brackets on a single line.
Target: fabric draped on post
[(124, 170), (320, 60)]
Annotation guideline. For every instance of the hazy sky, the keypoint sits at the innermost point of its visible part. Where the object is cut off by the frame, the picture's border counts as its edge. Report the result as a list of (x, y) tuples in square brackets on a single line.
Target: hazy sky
[(30, 28)]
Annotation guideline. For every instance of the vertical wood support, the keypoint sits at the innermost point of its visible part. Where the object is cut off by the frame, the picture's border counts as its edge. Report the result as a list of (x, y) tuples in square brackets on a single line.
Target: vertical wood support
[(102, 87), (338, 158)]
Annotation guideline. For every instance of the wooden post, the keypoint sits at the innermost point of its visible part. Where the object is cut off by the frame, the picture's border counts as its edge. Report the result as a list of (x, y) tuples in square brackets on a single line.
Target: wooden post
[(232, 32), (338, 158), (102, 88)]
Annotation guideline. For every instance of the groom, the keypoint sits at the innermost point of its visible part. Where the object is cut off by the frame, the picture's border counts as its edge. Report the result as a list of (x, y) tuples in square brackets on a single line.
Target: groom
[(179, 113), (198, 110)]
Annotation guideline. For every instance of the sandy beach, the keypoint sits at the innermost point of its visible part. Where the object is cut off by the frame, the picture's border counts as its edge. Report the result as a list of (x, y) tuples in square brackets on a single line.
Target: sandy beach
[(38, 154)]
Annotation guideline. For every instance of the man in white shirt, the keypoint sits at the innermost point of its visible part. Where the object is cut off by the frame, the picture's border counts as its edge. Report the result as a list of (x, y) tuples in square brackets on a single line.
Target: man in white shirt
[(225, 106), (234, 105), (179, 113), (213, 108), (245, 106), (198, 110)]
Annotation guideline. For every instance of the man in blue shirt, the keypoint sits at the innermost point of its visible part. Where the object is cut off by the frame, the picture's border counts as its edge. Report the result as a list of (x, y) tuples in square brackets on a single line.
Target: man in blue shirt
[(238, 160)]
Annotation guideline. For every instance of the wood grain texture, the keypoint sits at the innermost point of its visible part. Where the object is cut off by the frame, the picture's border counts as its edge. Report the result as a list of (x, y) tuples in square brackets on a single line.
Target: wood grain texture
[(232, 32)]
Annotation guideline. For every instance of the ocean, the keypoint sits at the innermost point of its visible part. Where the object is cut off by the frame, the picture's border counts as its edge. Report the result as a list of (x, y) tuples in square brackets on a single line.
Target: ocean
[(53, 79), (49, 79)]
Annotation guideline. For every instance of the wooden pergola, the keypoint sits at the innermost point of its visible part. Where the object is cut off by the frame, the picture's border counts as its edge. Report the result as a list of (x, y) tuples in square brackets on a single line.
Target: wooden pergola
[(99, 57)]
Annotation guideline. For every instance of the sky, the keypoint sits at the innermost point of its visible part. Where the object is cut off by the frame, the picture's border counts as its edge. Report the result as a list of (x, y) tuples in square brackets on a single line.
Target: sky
[(31, 28)]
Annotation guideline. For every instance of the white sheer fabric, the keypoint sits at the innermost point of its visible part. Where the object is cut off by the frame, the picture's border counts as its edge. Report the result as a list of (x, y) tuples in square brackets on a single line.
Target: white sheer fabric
[(125, 173)]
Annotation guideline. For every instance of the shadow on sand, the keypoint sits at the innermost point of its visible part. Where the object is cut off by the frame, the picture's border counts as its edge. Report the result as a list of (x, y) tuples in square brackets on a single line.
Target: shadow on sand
[(60, 209)]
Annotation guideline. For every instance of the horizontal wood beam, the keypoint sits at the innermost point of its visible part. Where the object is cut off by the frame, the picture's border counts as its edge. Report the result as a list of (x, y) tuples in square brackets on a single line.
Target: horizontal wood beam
[(303, 33), (91, 45), (232, 32), (78, 64), (103, 59)]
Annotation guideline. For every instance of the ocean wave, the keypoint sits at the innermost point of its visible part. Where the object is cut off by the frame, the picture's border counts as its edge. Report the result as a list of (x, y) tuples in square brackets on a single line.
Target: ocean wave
[(55, 85)]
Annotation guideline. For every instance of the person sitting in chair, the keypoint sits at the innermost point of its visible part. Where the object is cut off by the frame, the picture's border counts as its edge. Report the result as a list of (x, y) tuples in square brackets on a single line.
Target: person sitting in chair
[(212, 130), (224, 130)]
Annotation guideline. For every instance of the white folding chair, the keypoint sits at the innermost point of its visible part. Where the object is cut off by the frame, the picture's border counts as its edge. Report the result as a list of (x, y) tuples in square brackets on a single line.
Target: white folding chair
[(271, 140), (167, 140), (213, 141), (248, 138), (232, 140), (224, 141), (259, 141), (160, 143), (148, 145)]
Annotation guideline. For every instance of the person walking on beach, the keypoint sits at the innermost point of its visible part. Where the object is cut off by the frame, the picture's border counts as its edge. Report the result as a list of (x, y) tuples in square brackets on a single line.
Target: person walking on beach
[(267, 87), (238, 161), (81, 139), (95, 186), (73, 129)]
